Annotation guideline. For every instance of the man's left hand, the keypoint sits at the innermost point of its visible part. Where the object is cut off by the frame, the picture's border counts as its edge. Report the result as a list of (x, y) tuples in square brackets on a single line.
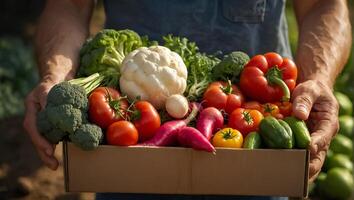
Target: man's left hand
[(314, 101)]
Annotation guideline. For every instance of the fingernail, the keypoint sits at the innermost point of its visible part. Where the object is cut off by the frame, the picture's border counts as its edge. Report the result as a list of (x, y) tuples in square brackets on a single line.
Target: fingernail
[(301, 108)]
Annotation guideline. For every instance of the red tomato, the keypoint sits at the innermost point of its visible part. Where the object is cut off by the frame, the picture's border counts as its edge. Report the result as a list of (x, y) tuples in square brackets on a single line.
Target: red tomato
[(285, 108), (223, 96), (269, 109), (122, 133), (146, 119), (106, 106), (254, 105), (245, 120)]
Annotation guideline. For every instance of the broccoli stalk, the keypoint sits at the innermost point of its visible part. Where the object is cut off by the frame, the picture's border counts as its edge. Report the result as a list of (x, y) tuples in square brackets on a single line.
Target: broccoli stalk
[(112, 57), (108, 78)]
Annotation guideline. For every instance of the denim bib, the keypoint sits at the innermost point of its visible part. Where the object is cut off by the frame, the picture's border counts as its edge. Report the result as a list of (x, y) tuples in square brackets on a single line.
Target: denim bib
[(252, 26)]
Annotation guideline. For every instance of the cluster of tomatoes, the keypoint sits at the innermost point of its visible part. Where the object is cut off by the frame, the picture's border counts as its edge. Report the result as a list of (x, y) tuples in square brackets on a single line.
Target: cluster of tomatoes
[(124, 123), (242, 117), (266, 81)]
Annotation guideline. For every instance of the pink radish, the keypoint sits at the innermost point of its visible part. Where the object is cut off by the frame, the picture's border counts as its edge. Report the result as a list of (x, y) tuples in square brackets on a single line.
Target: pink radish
[(166, 135), (191, 137), (209, 120)]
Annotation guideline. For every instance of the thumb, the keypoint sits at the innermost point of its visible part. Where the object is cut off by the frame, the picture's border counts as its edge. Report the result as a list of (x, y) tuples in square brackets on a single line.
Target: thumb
[(302, 105)]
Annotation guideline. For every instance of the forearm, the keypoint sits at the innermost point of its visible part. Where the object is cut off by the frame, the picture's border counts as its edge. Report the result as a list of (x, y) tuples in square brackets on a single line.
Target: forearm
[(324, 41), (62, 29)]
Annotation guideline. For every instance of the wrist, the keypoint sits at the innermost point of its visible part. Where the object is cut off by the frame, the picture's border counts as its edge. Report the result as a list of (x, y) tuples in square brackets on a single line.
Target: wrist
[(320, 78), (58, 69), (51, 78)]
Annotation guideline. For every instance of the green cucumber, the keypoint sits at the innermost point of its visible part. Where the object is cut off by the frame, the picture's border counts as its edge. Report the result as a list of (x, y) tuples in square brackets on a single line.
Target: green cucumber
[(302, 134), (252, 141), (289, 131), (274, 134)]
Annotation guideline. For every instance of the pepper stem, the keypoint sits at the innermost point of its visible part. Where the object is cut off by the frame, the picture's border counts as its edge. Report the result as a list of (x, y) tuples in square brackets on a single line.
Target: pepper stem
[(284, 87), (274, 77)]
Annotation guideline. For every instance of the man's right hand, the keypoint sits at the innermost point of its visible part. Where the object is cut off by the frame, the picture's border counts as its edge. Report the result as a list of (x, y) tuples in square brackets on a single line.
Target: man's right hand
[(35, 101)]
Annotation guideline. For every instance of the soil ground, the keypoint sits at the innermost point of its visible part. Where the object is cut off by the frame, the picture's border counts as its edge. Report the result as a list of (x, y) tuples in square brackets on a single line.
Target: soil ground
[(22, 174)]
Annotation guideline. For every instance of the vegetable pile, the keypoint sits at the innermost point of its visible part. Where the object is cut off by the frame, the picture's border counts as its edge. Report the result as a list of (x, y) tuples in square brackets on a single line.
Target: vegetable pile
[(132, 91)]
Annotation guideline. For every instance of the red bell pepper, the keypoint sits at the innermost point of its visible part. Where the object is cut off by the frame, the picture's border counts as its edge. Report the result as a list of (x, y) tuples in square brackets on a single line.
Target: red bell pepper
[(268, 78)]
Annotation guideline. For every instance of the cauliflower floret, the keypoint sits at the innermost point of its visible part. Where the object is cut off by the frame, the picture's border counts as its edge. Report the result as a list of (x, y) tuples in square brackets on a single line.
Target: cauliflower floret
[(153, 73)]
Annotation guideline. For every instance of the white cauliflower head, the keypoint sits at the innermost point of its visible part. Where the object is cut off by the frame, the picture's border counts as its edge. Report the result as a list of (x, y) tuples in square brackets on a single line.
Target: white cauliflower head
[(153, 73)]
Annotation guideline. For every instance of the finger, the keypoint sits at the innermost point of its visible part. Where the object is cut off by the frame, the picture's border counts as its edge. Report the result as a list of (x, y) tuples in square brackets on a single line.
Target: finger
[(43, 93), (313, 177), (316, 164), (302, 103), (50, 161), (44, 148), (31, 128), (323, 133)]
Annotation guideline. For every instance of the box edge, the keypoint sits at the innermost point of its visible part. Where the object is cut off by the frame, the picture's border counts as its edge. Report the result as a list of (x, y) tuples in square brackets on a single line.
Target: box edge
[(306, 177), (65, 166)]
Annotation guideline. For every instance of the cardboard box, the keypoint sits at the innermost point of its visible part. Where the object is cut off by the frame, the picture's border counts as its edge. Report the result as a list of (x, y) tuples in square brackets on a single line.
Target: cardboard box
[(175, 170)]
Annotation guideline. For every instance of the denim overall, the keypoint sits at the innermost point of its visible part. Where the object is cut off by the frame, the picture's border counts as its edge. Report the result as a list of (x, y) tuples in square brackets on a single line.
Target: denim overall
[(252, 26)]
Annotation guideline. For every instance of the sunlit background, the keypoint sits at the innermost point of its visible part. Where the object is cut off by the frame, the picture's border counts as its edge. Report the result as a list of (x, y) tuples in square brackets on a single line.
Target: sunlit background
[(22, 176)]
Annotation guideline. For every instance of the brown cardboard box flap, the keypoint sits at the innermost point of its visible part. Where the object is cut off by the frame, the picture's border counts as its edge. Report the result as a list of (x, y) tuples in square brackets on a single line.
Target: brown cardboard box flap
[(175, 170)]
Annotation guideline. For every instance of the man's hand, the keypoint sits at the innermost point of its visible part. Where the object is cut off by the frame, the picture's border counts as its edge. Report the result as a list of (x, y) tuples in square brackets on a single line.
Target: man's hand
[(35, 101), (315, 102), (61, 31)]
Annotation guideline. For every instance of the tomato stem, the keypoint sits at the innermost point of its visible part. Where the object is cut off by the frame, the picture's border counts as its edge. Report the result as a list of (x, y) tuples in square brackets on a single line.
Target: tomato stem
[(268, 108), (228, 88), (115, 104), (247, 116), (135, 115), (228, 134)]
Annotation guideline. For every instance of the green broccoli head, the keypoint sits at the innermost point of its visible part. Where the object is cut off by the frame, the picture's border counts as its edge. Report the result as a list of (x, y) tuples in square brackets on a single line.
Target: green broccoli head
[(231, 66), (67, 93), (50, 132), (43, 124), (65, 117), (55, 135), (107, 50), (87, 137)]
